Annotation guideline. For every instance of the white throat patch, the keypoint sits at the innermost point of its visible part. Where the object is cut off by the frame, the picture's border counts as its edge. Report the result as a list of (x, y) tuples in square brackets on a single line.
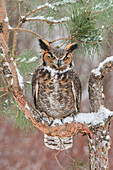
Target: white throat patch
[(53, 71)]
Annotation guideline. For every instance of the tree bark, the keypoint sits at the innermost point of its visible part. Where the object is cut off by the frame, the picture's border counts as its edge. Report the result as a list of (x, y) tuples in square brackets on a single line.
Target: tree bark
[(98, 147)]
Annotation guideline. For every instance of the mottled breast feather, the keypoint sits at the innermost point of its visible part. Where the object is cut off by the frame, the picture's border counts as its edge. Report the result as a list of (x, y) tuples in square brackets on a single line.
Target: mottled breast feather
[(58, 93)]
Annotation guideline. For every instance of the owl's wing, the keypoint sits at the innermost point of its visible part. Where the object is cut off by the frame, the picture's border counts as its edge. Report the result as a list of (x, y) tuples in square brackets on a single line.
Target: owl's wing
[(35, 87), (77, 91)]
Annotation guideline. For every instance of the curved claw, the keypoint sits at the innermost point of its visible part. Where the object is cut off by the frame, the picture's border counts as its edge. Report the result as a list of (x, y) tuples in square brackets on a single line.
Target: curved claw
[(62, 120), (51, 123)]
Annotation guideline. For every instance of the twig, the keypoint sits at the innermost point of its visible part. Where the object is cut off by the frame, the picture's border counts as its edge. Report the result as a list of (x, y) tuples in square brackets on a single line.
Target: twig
[(58, 161), (21, 29), (44, 7), (3, 89), (88, 2), (18, 26), (63, 43), (15, 39), (4, 94), (35, 11), (70, 156), (98, 12), (24, 20), (19, 6), (44, 20), (72, 160), (74, 40)]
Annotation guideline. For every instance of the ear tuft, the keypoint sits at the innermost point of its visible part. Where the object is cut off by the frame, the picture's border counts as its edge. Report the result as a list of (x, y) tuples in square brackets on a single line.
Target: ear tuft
[(71, 47), (44, 45)]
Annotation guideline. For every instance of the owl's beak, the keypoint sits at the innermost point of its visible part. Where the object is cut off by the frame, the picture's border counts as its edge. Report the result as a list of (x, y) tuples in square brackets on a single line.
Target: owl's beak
[(59, 63)]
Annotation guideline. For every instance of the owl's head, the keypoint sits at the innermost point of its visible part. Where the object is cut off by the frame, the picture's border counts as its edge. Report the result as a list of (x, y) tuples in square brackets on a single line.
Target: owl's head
[(55, 58)]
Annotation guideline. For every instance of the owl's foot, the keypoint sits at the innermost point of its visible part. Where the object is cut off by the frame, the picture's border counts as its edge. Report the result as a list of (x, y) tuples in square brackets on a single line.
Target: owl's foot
[(62, 120), (48, 121), (72, 115), (51, 123)]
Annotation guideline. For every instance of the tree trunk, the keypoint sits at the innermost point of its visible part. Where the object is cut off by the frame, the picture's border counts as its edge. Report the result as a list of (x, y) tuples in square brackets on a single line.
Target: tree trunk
[(98, 148), (99, 145)]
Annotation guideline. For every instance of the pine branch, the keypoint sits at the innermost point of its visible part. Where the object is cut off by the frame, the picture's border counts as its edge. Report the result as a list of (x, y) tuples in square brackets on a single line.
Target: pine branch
[(21, 29), (89, 2), (39, 8), (76, 40), (48, 20), (19, 7), (25, 18)]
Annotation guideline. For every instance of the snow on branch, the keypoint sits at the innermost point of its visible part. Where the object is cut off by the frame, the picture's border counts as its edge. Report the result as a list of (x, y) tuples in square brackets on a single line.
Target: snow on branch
[(90, 119), (95, 88), (94, 118), (20, 78), (103, 65), (53, 6), (50, 20), (64, 2), (46, 5)]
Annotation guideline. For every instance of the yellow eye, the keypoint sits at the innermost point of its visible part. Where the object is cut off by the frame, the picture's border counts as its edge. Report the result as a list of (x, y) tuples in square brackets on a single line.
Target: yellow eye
[(51, 57), (66, 58)]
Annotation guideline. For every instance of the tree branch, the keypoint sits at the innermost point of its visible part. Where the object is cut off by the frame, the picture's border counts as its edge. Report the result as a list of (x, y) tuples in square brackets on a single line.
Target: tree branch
[(96, 96), (44, 20), (71, 38), (24, 19), (21, 29)]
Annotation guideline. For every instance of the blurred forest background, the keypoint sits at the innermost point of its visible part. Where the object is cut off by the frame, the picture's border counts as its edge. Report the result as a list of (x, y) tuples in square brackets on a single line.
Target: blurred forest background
[(22, 147)]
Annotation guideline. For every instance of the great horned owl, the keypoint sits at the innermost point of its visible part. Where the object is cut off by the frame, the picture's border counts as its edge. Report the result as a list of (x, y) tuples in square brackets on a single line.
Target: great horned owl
[(56, 88)]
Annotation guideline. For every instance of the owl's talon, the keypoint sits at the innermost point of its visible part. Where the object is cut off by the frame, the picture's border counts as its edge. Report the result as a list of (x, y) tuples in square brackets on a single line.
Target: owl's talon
[(73, 117), (42, 117), (62, 120), (51, 123), (50, 120)]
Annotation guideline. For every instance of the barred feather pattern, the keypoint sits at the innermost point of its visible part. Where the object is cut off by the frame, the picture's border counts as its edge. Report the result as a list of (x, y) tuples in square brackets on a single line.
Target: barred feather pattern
[(62, 143)]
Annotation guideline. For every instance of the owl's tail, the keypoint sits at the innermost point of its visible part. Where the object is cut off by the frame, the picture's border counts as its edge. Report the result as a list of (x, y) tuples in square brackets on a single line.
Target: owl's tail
[(61, 143)]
